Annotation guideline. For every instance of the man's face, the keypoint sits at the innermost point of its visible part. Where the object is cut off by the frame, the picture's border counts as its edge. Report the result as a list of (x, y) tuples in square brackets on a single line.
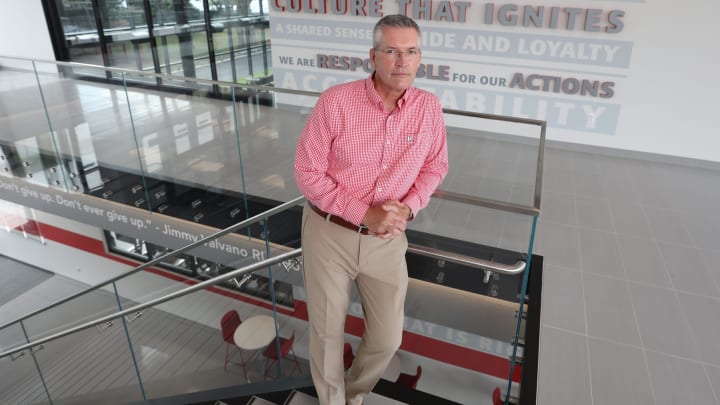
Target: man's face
[(396, 60)]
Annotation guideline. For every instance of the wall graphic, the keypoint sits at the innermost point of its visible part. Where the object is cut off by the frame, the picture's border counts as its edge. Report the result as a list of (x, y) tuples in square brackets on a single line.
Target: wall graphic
[(565, 65), (232, 250)]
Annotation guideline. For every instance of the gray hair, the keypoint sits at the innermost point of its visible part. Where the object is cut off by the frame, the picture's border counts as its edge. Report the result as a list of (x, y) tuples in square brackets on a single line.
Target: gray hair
[(395, 21)]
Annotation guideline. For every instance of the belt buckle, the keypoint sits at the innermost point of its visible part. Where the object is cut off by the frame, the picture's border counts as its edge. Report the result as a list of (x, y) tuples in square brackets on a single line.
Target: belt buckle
[(360, 228)]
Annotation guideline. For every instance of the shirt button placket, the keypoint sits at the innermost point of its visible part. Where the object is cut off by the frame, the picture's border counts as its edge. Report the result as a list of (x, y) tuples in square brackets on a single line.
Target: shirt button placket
[(389, 129)]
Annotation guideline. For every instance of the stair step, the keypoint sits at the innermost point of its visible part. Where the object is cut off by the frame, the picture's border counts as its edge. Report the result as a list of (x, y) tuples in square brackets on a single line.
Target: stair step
[(300, 398), (258, 401)]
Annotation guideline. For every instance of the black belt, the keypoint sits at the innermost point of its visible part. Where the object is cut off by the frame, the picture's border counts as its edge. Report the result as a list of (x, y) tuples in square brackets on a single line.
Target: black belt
[(339, 221)]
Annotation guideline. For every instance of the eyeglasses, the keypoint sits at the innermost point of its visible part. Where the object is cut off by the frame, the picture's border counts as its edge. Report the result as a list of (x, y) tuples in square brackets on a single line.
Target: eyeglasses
[(395, 53)]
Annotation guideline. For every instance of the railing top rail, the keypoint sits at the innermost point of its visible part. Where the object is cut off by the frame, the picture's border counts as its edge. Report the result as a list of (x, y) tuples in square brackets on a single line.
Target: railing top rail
[(486, 202), (200, 242), (515, 268), (488, 116)]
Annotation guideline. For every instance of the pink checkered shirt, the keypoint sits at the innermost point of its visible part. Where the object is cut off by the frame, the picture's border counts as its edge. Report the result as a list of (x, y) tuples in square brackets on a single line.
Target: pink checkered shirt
[(353, 155)]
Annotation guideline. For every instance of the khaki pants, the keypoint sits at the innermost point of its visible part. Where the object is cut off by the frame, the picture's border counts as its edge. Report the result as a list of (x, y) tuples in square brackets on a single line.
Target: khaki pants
[(333, 257)]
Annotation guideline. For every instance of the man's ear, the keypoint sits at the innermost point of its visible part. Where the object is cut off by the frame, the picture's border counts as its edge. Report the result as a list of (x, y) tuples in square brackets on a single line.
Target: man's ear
[(372, 57)]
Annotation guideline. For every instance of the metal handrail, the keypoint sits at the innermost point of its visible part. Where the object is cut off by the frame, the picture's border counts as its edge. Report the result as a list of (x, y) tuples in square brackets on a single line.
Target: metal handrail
[(470, 261), (180, 293), (232, 228), (483, 264), (518, 267), (486, 202)]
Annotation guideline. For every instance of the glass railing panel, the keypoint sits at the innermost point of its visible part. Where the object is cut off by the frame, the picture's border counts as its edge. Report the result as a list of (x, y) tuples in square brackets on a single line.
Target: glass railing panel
[(77, 311), (279, 286), (214, 257), (469, 336), (67, 150), (187, 147), (469, 312), (24, 129), (496, 178), (93, 365), (220, 153), (254, 293), (15, 218), (270, 124), (500, 166), (195, 341), (476, 233), (21, 383), (178, 270), (18, 78), (180, 348), (145, 285), (11, 336), (179, 345), (472, 224), (172, 348), (93, 137), (280, 232)]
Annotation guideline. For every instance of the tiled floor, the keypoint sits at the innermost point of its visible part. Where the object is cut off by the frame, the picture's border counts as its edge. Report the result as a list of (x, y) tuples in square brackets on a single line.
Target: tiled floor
[(631, 289)]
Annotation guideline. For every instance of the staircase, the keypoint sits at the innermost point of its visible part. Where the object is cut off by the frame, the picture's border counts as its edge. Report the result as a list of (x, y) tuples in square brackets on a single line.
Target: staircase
[(296, 391)]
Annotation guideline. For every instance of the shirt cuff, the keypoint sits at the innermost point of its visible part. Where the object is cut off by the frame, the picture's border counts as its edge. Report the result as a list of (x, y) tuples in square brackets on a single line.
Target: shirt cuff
[(414, 203)]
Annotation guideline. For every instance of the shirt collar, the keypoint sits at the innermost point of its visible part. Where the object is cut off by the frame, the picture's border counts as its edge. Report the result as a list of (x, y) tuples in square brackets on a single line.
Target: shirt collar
[(377, 100)]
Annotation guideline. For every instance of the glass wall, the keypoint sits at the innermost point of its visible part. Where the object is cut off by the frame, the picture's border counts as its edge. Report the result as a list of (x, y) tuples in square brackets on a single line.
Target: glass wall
[(224, 40)]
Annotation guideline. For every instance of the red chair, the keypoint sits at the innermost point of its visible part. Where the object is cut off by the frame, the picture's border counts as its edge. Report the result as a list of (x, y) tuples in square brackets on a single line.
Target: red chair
[(348, 355), (286, 350), (409, 380), (496, 397), (229, 322)]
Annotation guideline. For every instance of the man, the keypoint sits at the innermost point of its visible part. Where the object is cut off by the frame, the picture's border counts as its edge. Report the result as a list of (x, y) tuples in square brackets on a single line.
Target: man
[(372, 153)]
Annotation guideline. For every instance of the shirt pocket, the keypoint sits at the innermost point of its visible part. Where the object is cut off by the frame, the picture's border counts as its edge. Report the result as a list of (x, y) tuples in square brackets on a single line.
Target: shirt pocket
[(414, 145)]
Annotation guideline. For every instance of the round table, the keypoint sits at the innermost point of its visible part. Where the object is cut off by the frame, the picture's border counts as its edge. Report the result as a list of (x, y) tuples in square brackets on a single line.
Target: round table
[(255, 332)]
